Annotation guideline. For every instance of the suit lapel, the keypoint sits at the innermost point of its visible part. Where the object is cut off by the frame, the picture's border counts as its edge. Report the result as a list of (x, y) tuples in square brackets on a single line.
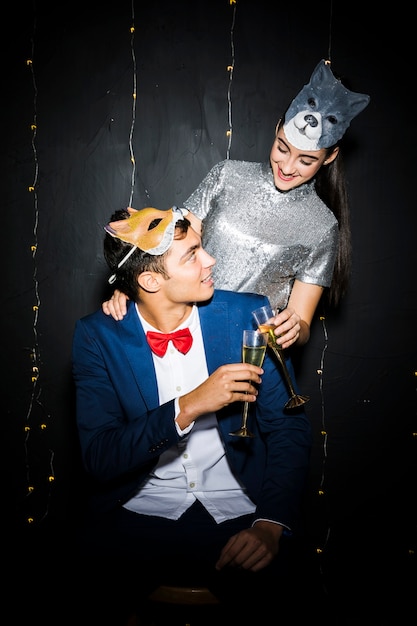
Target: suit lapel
[(215, 324), (133, 342)]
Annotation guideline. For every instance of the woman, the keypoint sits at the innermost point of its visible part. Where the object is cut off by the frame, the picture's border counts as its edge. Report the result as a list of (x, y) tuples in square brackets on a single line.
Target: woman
[(283, 226)]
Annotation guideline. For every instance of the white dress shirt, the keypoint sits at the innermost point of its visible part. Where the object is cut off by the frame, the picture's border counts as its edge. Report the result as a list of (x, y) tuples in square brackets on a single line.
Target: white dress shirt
[(197, 467)]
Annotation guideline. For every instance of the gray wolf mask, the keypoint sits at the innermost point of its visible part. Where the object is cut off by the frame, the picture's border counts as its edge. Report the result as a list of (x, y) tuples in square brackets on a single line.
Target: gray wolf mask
[(322, 111)]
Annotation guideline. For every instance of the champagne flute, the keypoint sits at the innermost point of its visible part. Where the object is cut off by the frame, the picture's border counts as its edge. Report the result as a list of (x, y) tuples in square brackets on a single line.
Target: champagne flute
[(253, 351), (263, 317)]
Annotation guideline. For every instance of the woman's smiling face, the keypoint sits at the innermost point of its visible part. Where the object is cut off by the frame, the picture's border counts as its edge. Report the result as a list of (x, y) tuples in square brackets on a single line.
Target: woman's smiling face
[(292, 167)]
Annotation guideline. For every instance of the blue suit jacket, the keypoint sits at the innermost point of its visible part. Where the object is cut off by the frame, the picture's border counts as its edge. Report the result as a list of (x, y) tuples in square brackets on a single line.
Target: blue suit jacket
[(123, 430)]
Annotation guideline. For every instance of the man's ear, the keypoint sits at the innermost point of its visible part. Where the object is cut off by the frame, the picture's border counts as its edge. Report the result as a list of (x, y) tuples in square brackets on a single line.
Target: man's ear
[(149, 281)]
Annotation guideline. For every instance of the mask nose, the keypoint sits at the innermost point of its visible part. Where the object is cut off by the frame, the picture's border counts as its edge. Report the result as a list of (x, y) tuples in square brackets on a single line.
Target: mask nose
[(311, 120)]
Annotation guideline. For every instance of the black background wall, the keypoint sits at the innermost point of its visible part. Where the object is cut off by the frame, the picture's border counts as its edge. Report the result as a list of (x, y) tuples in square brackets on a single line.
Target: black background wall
[(70, 126)]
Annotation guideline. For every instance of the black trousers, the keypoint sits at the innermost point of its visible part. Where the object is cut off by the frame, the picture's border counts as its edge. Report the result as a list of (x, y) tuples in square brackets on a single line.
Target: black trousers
[(123, 556)]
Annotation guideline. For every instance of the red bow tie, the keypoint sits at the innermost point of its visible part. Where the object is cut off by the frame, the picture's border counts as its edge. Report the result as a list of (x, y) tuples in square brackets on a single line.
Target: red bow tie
[(182, 340)]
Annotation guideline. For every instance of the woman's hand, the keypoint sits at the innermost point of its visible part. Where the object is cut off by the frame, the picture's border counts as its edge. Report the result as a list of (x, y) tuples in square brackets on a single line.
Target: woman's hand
[(116, 306), (287, 327)]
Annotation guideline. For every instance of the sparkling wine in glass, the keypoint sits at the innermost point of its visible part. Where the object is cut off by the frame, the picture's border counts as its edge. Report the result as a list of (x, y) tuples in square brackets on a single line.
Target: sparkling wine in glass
[(253, 351), (263, 317)]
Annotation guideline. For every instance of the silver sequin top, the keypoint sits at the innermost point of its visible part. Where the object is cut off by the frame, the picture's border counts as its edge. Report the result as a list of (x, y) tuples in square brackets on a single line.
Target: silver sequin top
[(262, 238)]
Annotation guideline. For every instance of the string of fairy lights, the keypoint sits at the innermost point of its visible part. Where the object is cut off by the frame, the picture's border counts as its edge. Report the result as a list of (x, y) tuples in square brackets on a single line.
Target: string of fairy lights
[(320, 549), (36, 510), (230, 69), (134, 102)]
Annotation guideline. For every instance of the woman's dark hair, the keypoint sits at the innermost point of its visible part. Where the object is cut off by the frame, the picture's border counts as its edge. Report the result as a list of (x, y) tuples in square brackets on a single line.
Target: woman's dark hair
[(139, 261), (330, 185)]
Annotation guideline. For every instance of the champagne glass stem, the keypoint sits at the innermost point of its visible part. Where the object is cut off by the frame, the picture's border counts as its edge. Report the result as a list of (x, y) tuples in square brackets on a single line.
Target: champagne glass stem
[(245, 415), (295, 400), (281, 359), (243, 430)]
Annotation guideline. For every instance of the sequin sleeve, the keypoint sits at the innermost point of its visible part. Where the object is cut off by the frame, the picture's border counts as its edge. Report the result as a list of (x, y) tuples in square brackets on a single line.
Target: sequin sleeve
[(205, 196), (318, 266)]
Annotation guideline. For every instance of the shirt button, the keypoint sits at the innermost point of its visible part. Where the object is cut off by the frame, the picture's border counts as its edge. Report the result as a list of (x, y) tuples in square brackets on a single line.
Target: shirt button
[(178, 387), (192, 485), (185, 456)]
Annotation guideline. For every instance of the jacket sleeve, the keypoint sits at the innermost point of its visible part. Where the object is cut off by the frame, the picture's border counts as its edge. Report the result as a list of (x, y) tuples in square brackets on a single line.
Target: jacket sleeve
[(122, 430)]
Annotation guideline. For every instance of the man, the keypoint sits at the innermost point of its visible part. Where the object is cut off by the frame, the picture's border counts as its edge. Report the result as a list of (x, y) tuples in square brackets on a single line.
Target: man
[(175, 495)]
